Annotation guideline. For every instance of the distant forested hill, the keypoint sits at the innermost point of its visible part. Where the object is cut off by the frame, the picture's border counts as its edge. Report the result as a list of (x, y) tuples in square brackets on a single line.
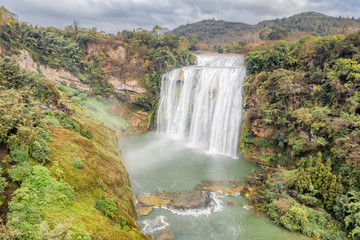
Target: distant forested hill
[(222, 32)]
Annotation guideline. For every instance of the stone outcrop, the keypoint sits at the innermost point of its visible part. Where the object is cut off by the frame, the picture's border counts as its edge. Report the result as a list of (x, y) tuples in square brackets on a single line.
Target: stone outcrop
[(118, 54), (129, 86), (228, 188), (55, 75), (195, 199), (260, 130), (199, 198), (165, 236)]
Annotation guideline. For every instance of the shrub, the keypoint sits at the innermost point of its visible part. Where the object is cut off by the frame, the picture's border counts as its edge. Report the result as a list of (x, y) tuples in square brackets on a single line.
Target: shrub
[(347, 210), (142, 103), (78, 164), (20, 172), (61, 231), (73, 85), (86, 133), (296, 217), (255, 61), (70, 92), (309, 200), (58, 117), (297, 148), (38, 192), (107, 207), (277, 33), (44, 134), (6, 233), (66, 121), (99, 183), (17, 153), (123, 222), (3, 183), (80, 98), (82, 236), (40, 150)]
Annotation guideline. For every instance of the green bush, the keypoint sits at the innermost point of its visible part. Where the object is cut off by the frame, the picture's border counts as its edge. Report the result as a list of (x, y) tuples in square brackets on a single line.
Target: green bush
[(13, 77), (66, 121), (347, 210), (69, 91), (296, 217), (309, 200), (20, 172), (277, 33), (255, 61), (74, 94), (60, 118), (17, 153), (3, 183), (61, 231), (82, 236), (44, 134), (86, 133), (40, 151), (107, 207), (123, 222), (78, 164), (142, 103), (37, 193)]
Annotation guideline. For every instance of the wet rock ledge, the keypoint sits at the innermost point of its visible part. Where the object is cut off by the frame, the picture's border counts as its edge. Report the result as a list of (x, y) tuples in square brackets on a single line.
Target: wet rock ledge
[(199, 198)]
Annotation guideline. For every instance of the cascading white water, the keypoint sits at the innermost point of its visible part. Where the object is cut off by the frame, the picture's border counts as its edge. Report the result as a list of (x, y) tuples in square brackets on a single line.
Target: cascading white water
[(203, 103)]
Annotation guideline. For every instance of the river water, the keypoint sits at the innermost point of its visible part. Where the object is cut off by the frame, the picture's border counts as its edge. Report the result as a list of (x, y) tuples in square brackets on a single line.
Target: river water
[(159, 163), (199, 119)]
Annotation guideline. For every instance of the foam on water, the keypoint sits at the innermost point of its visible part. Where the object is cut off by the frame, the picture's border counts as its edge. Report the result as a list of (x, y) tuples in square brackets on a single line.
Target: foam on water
[(153, 225), (215, 206)]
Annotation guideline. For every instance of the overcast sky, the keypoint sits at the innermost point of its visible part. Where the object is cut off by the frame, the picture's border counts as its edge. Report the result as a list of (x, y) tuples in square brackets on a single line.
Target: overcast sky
[(116, 15)]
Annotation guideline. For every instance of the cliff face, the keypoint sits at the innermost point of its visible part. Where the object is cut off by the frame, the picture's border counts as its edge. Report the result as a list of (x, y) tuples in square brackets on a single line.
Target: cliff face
[(123, 70), (101, 178), (302, 121), (128, 89), (55, 75)]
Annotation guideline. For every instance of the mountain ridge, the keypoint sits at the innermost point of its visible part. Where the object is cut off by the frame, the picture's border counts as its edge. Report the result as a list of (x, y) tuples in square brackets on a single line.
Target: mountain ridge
[(224, 32)]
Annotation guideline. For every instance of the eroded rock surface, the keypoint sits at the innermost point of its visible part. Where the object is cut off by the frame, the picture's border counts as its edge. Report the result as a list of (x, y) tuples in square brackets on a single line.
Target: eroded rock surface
[(55, 75), (165, 236), (131, 86), (181, 201), (199, 198)]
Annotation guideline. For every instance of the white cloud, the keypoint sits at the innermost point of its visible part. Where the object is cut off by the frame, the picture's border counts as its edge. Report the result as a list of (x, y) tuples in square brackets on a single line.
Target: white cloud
[(116, 15)]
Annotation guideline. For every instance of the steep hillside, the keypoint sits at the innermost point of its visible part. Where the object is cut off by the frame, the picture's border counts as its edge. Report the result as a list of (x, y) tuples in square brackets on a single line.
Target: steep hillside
[(302, 122), (62, 169), (66, 98), (222, 32)]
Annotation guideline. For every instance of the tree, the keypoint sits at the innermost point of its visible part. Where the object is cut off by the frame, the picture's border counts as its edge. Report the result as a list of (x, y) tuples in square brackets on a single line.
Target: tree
[(347, 210), (277, 33), (303, 180), (19, 113)]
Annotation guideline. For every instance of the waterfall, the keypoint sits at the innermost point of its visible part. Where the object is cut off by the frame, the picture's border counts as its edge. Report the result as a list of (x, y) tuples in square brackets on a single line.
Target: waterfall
[(203, 104)]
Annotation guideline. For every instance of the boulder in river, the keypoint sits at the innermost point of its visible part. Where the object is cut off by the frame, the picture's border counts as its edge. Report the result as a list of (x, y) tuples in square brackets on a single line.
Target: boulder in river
[(181, 201)]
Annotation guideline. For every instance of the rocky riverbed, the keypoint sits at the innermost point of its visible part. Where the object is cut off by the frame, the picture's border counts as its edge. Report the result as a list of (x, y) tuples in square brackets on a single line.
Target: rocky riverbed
[(199, 198)]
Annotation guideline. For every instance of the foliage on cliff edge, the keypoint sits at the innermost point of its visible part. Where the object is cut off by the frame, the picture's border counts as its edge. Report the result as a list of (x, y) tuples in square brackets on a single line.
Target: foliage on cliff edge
[(60, 165), (302, 106)]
